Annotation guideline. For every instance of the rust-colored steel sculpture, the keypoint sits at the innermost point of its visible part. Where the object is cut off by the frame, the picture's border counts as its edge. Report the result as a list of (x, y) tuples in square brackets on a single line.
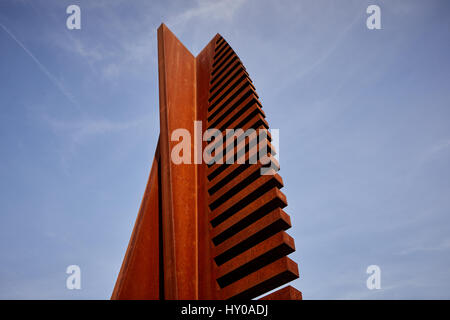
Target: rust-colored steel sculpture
[(209, 231)]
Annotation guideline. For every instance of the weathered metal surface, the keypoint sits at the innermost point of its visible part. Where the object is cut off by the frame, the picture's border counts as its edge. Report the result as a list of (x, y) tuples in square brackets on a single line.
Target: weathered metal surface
[(177, 91), (208, 287), (139, 276), (221, 226), (265, 279)]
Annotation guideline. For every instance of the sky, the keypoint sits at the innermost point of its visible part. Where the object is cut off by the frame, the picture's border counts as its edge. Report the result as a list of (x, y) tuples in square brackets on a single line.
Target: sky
[(364, 136)]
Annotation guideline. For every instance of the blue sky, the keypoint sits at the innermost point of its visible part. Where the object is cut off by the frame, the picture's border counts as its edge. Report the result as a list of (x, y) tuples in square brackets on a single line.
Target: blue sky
[(364, 136)]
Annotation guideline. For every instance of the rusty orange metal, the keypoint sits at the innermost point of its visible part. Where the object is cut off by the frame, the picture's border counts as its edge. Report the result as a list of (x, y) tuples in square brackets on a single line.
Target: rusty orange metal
[(209, 231)]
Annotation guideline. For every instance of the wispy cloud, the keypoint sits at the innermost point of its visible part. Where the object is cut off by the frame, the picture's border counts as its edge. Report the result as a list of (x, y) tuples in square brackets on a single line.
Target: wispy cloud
[(217, 10), (438, 148), (134, 44), (91, 53), (76, 133), (441, 246), (322, 56), (80, 130), (49, 75)]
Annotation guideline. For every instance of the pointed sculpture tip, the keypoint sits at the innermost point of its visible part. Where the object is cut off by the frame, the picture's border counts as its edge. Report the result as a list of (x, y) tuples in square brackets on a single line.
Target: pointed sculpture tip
[(164, 26)]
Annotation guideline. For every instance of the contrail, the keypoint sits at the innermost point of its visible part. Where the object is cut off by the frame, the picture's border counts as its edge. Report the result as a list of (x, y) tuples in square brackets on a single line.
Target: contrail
[(52, 78)]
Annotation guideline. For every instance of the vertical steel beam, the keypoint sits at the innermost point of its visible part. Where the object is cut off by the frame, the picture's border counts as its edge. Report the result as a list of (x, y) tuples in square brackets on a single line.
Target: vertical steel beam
[(177, 91)]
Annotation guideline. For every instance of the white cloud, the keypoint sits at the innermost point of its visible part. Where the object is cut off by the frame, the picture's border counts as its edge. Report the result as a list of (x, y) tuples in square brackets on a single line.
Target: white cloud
[(79, 131), (208, 9), (441, 246), (439, 147)]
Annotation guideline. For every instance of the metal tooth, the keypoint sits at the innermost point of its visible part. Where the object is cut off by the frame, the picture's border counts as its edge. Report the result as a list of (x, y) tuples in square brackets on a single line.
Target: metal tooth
[(239, 77), (240, 201), (224, 55), (208, 231), (227, 118), (265, 279), (267, 250), (228, 77), (219, 72)]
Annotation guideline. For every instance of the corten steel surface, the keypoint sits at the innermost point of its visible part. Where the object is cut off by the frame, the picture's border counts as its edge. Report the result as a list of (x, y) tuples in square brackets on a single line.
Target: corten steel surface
[(209, 231)]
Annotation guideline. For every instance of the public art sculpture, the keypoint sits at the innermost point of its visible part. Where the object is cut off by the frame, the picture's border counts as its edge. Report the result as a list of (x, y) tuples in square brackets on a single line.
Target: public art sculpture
[(211, 223)]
